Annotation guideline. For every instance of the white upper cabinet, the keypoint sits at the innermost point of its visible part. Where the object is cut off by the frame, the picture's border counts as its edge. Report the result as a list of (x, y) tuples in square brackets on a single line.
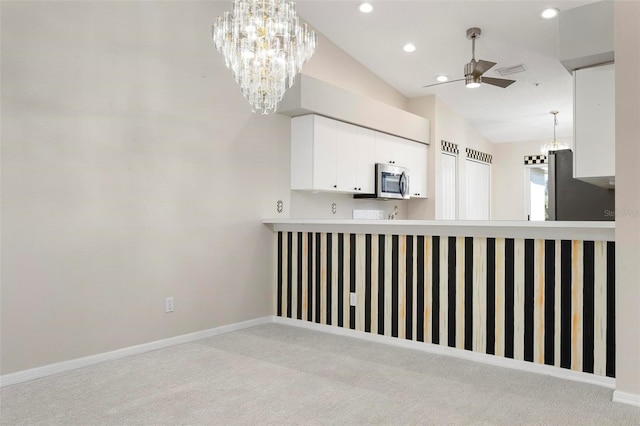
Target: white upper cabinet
[(355, 158), (314, 153), (390, 149), (330, 155), (416, 162), (594, 125)]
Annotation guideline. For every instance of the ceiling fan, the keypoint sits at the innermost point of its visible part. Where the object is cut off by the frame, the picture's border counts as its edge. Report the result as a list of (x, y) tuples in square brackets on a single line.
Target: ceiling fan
[(473, 70)]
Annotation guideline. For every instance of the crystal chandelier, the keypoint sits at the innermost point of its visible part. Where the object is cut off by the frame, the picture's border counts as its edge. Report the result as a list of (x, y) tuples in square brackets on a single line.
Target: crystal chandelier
[(555, 145), (265, 47)]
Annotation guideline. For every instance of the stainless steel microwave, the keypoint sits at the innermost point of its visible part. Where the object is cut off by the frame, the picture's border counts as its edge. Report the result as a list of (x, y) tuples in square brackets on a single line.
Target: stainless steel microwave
[(392, 181)]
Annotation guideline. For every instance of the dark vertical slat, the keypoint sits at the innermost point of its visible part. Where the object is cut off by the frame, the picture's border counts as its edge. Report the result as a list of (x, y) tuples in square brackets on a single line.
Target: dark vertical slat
[(529, 298), (367, 283), (611, 309), (289, 273), (352, 279), (310, 276), (435, 289), (452, 292), (565, 304), (420, 288), (409, 289), (509, 265), (468, 293), (491, 296), (299, 276), (394, 285), (381, 270), (549, 301), (340, 280), (318, 275), (279, 302), (329, 275), (588, 305)]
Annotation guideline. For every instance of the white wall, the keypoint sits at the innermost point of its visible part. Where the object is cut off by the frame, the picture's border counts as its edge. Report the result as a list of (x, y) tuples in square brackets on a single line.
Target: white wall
[(627, 47), (345, 72), (132, 169), (447, 125)]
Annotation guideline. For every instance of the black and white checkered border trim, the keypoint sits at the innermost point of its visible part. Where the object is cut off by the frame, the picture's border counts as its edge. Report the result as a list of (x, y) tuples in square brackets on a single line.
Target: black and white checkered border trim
[(449, 147), (535, 159), (479, 156)]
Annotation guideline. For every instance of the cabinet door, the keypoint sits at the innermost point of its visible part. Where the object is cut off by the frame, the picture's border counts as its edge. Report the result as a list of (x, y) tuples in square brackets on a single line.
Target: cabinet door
[(416, 161), (355, 159), (365, 166), (347, 157), (324, 154), (594, 124), (383, 148)]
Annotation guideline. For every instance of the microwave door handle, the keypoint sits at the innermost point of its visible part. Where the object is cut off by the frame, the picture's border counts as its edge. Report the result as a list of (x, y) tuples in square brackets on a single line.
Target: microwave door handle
[(403, 184)]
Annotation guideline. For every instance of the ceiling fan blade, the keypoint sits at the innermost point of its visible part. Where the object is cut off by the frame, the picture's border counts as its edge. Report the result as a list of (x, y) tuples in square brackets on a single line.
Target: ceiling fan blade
[(500, 82), (444, 82), (481, 67)]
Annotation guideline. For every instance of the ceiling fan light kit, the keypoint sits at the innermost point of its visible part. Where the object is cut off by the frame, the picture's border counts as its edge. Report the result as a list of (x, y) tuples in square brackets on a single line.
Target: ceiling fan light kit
[(474, 70)]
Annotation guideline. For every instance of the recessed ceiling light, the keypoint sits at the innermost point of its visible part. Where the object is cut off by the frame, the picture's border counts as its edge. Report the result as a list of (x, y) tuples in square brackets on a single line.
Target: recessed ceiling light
[(442, 78), (409, 48), (549, 13), (365, 7)]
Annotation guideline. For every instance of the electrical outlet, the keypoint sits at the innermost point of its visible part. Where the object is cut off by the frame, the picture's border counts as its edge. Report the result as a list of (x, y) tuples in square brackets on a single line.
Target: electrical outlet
[(353, 300), (168, 304)]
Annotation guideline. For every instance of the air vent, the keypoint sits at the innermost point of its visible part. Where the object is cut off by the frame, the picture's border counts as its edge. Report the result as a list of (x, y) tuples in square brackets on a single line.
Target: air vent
[(511, 70)]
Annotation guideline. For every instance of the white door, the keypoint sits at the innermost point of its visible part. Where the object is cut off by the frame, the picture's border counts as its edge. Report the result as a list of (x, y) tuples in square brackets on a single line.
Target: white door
[(478, 190), (449, 186)]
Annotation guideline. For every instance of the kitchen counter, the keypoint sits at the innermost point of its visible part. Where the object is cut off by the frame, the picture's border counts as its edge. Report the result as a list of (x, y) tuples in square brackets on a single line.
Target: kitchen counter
[(603, 231), (540, 293)]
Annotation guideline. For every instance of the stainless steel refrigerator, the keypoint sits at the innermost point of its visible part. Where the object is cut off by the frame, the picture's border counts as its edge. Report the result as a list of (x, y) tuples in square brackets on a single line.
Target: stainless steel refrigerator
[(573, 199)]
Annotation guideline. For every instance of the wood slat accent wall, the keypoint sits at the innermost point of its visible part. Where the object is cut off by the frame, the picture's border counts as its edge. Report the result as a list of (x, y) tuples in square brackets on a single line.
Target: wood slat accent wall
[(544, 301)]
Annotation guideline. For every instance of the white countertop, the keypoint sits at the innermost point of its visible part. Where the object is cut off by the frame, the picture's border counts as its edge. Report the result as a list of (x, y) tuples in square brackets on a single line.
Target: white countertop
[(601, 231)]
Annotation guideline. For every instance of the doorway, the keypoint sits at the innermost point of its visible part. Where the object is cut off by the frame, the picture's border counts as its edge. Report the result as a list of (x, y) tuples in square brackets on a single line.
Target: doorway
[(537, 192)]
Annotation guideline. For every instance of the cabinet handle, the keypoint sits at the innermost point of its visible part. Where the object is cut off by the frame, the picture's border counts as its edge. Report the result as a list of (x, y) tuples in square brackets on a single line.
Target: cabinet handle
[(355, 189), (359, 189), (335, 186)]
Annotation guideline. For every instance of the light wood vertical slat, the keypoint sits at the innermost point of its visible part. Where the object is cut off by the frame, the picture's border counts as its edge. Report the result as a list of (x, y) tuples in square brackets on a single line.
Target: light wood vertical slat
[(518, 296), (576, 304), (600, 309)]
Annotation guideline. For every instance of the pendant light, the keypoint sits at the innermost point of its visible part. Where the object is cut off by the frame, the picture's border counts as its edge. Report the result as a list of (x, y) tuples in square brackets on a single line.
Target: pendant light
[(555, 145)]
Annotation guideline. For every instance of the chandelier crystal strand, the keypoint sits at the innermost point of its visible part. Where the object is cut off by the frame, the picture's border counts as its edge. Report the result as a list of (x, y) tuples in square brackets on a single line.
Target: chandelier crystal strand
[(265, 46)]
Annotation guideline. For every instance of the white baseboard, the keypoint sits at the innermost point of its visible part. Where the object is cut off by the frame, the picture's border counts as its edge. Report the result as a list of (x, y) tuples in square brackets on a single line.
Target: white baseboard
[(60, 367), (531, 367), (626, 398)]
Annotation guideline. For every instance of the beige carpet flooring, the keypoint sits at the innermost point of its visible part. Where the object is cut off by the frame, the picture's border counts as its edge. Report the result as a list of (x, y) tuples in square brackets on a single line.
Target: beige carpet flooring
[(281, 375)]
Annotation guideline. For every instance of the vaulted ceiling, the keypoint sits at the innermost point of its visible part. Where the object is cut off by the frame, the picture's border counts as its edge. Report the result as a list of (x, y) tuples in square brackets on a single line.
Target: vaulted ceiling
[(513, 33)]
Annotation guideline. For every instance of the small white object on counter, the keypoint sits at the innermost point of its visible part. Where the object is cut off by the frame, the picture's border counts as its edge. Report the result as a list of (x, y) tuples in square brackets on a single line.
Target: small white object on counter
[(368, 214)]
